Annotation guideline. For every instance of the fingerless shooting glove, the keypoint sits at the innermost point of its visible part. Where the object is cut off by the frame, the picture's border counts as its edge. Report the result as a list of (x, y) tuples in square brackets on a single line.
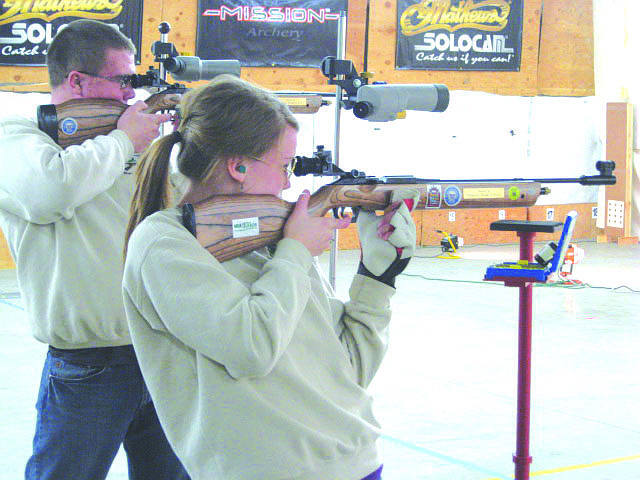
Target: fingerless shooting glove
[(381, 259)]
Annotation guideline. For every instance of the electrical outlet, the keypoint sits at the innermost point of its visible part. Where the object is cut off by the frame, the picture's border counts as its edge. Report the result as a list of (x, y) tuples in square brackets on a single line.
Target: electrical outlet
[(452, 216), (615, 214), (502, 214), (549, 214)]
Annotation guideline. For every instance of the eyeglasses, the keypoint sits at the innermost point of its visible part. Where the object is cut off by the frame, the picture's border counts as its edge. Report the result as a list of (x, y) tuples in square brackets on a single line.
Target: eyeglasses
[(123, 80), (286, 169)]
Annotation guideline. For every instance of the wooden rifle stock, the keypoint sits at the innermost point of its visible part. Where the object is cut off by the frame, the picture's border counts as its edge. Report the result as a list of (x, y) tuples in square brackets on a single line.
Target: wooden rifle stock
[(229, 226), (74, 121)]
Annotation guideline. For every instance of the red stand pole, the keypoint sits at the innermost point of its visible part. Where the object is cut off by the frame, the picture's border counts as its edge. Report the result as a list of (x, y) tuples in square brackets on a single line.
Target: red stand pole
[(522, 459), (526, 231)]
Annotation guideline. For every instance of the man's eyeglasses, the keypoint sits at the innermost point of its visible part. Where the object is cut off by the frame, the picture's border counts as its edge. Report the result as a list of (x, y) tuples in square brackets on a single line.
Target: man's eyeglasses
[(123, 80), (286, 169)]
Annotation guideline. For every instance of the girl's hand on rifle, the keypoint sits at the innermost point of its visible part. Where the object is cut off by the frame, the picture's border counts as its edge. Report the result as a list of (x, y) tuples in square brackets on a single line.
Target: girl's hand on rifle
[(388, 241), (315, 233), (140, 127)]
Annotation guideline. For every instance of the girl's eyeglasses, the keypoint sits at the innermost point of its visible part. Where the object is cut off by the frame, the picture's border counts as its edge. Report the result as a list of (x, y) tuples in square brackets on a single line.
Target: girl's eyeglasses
[(287, 169)]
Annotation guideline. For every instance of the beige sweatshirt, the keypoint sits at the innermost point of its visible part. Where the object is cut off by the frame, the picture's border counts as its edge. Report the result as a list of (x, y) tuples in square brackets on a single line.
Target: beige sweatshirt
[(256, 370), (64, 214)]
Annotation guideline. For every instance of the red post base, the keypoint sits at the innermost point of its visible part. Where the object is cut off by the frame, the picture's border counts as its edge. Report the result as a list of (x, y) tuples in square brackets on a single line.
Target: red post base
[(522, 466)]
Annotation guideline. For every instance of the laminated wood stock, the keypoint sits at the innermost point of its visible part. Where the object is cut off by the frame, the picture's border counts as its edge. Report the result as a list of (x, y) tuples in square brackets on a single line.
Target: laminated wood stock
[(232, 225), (74, 121)]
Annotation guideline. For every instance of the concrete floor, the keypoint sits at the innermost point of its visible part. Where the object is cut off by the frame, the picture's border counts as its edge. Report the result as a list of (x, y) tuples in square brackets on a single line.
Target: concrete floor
[(445, 394)]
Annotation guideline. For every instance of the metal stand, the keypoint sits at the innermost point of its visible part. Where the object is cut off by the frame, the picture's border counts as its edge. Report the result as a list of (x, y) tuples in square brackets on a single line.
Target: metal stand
[(342, 42), (526, 230)]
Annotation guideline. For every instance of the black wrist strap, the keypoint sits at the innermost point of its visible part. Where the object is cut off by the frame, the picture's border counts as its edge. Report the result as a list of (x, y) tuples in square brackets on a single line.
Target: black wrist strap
[(388, 277)]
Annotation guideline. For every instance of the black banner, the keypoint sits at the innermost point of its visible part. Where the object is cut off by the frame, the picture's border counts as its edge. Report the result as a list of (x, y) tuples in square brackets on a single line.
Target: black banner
[(270, 33), (27, 26), (459, 35)]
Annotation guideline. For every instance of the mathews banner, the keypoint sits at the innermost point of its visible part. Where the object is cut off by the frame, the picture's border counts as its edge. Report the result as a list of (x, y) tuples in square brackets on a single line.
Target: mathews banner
[(270, 33), (28, 26), (459, 35)]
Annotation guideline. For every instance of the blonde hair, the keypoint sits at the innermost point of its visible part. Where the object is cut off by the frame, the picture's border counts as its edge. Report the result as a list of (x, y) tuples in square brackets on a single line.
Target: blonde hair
[(226, 118)]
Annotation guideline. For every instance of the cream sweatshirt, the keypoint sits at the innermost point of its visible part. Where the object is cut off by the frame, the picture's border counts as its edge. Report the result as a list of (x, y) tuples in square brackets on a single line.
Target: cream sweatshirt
[(64, 214), (256, 370)]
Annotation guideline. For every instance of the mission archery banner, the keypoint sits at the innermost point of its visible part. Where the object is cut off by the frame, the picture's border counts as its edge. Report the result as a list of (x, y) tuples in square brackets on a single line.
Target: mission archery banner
[(271, 33), (28, 26), (459, 35)]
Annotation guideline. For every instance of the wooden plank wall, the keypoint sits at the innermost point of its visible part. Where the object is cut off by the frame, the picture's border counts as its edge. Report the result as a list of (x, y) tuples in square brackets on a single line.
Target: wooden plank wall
[(618, 197), (557, 55), (182, 16), (382, 41), (566, 49)]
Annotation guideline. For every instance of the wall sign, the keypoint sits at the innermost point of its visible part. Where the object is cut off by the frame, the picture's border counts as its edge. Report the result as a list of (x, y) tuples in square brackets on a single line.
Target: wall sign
[(270, 33), (459, 35), (27, 26)]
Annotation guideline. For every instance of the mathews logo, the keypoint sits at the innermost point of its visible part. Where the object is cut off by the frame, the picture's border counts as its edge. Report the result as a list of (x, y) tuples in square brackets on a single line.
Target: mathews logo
[(48, 10), (487, 15)]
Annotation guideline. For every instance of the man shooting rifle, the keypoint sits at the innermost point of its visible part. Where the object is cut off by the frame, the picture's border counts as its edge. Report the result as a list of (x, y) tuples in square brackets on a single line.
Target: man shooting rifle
[(64, 213)]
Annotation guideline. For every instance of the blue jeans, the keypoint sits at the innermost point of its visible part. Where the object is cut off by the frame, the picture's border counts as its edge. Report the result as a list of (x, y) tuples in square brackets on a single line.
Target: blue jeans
[(91, 401)]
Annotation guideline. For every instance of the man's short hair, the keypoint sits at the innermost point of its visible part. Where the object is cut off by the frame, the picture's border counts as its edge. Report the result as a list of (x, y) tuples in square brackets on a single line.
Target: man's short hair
[(82, 46)]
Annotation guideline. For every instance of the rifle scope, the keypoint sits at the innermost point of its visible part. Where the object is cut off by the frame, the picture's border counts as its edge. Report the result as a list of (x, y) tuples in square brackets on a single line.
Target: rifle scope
[(383, 103), (149, 79), (192, 69), (320, 164)]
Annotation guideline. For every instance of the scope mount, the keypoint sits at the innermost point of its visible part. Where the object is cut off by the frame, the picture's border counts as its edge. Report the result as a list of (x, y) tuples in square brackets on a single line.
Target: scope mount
[(321, 165), (344, 74), (162, 52)]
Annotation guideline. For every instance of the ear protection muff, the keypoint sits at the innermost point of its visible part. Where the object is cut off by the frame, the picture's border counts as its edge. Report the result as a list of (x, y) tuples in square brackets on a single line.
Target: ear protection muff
[(241, 169)]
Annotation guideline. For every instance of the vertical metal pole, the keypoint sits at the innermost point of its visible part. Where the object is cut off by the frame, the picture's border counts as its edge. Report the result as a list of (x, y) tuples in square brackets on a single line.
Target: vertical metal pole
[(340, 55), (164, 38), (522, 458), (164, 29)]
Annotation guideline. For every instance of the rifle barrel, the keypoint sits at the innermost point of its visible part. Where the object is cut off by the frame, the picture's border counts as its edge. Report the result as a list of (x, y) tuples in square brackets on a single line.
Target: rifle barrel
[(584, 180)]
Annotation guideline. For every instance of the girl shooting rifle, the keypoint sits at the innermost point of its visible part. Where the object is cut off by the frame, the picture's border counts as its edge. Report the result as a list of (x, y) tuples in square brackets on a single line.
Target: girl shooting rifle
[(257, 371)]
